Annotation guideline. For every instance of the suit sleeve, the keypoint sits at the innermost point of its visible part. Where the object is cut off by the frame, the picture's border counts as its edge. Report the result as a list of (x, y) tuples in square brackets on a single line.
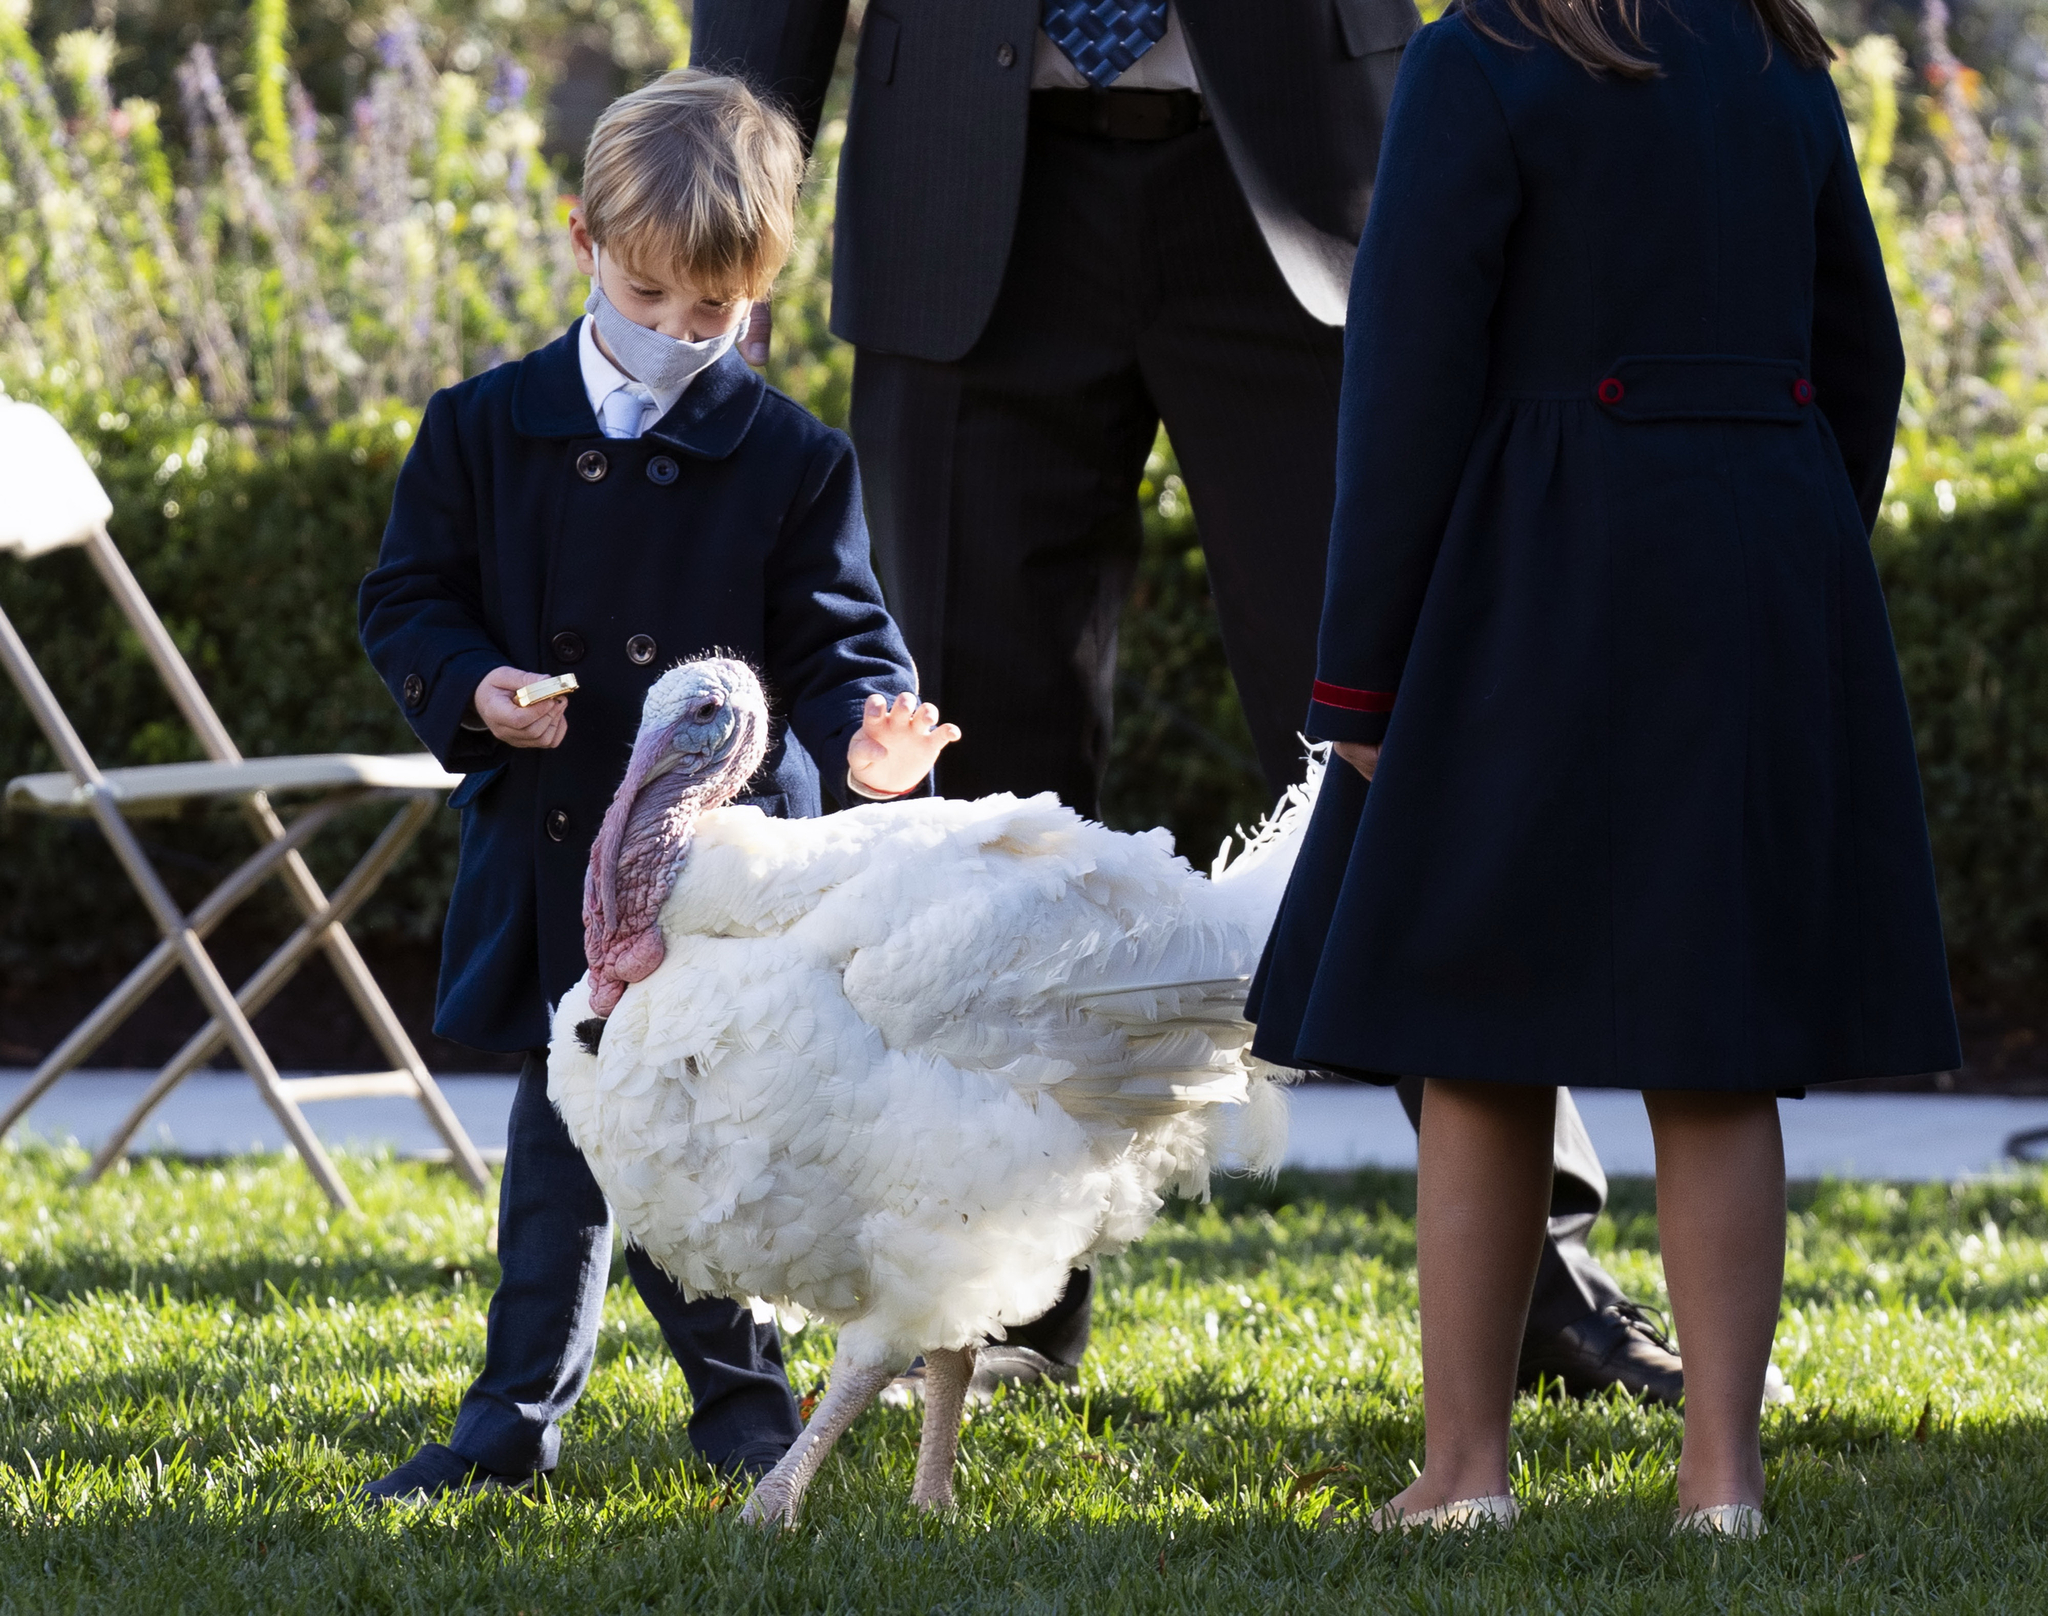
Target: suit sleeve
[(1859, 365), (420, 612), (831, 642), (783, 47), (1415, 370)]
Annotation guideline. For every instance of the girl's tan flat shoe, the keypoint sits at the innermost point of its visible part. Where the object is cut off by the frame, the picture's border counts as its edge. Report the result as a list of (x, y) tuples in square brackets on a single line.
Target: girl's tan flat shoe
[(1498, 1510), (1723, 1520)]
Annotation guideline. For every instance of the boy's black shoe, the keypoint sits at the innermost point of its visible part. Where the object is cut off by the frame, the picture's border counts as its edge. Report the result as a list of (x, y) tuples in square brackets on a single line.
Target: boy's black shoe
[(1619, 1345), (753, 1461), (438, 1471)]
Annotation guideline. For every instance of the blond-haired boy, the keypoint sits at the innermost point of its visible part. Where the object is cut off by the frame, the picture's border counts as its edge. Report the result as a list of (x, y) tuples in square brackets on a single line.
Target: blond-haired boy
[(626, 497)]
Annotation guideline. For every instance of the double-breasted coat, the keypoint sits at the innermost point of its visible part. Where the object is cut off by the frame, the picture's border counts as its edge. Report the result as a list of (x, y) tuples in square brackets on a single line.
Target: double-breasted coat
[(520, 535), (1621, 377)]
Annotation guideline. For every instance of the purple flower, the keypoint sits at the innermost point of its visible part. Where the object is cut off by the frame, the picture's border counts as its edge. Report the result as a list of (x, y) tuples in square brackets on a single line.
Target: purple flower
[(513, 81)]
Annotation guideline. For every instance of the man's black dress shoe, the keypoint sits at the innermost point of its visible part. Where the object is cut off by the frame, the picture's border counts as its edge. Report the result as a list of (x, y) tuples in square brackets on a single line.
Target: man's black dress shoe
[(1619, 1345), (438, 1471)]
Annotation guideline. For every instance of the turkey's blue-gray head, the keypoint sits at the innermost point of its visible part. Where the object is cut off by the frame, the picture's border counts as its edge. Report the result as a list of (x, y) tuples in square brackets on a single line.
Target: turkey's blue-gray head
[(703, 733)]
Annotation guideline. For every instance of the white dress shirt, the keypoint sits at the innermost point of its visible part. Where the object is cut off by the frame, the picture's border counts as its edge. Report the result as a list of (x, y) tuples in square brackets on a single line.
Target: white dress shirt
[(1166, 66), (602, 378)]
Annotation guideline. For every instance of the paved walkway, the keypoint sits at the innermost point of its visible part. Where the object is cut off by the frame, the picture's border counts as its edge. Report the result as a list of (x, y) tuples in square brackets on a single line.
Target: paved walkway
[(1895, 1136), (1335, 1125)]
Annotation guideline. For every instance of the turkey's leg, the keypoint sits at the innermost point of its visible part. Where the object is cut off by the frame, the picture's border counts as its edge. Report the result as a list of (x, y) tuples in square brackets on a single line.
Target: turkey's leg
[(780, 1493), (945, 1394)]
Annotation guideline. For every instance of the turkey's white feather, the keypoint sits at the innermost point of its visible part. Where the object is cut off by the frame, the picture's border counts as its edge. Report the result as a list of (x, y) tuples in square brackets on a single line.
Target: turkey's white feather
[(905, 1066)]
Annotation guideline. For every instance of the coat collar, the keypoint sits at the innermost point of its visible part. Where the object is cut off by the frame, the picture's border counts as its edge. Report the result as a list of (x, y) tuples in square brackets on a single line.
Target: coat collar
[(710, 419)]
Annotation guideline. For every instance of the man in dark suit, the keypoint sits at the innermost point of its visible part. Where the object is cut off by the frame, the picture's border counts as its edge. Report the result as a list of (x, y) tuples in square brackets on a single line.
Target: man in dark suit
[(1060, 222)]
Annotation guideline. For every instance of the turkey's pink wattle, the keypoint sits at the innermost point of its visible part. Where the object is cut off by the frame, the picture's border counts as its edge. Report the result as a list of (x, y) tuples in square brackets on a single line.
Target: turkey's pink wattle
[(642, 843), (632, 867)]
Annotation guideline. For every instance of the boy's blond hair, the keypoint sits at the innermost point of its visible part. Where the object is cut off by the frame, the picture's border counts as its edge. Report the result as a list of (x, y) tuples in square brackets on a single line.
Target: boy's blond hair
[(695, 171)]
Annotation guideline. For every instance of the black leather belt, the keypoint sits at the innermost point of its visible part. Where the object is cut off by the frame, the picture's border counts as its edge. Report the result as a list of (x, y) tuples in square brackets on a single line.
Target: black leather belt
[(1120, 114)]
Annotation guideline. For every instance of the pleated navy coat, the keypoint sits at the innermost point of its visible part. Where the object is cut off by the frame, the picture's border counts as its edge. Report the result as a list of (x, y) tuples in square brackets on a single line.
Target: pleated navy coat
[(1621, 376), (520, 535)]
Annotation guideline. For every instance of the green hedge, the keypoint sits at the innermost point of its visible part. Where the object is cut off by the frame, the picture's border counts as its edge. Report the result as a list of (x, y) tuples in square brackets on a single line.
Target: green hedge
[(1963, 550), (253, 549)]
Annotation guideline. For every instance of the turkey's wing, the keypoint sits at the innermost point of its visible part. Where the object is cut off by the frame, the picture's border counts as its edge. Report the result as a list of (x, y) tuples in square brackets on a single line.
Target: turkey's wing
[(1073, 960)]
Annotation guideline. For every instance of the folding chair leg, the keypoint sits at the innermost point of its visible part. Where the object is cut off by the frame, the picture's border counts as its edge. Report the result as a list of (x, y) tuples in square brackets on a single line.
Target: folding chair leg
[(398, 1049), (214, 995), (305, 890), (162, 960), (272, 975), (376, 1010), (176, 930)]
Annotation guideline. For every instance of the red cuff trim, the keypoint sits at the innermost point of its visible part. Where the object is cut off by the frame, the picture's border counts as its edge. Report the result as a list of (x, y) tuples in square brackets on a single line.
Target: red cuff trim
[(1354, 701)]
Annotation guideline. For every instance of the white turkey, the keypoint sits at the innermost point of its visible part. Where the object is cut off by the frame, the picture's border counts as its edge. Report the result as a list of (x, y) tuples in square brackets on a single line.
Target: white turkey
[(902, 1067)]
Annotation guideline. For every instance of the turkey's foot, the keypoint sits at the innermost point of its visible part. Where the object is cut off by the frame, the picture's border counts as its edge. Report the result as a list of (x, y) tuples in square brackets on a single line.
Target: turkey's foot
[(946, 1374), (780, 1494)]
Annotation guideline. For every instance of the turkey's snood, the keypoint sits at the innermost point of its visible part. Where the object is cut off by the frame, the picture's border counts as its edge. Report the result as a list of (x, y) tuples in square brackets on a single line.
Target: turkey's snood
[(643, 840)]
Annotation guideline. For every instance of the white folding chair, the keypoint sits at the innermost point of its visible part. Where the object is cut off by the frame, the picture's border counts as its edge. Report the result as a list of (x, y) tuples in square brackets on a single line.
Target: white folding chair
[(50, 499)]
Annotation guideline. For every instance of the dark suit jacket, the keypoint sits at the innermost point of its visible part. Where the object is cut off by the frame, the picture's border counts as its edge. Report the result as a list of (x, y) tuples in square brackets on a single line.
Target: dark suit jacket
[(734, 522), (1619, 393), (934, 159)]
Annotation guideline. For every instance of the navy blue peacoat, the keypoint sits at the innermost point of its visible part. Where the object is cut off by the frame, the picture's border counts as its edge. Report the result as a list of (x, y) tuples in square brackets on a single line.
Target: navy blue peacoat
[(1621, 376), (521, 535)]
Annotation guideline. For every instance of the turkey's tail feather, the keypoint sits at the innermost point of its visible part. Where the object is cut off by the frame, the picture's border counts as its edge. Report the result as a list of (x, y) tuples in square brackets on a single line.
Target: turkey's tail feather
[(1252, 1137), (1183, 1017), (1268, 852)]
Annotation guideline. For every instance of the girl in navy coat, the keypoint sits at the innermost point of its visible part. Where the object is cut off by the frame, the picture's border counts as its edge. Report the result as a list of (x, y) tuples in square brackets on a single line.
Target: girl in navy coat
[(629, 496), (1603, 632)]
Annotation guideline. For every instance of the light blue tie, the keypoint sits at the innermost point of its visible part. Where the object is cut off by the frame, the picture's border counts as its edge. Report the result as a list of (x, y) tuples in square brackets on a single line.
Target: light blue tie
[(1103, 38), (625, 410)]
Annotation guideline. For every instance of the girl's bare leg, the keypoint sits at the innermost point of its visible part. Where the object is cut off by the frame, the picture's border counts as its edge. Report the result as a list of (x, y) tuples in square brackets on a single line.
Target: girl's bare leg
[(1482, 1197), (1721, 1220)]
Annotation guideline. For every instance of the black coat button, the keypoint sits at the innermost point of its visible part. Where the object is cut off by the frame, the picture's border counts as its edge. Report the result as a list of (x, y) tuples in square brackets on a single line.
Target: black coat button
[(568, 646), (640, 650), (557, 824), (661, 470), (415, 691), (591, 466), (1006, 55)]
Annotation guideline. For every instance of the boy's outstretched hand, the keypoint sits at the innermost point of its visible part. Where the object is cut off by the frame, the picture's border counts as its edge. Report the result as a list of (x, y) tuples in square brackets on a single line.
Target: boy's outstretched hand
[(897, 745), (545, 723)]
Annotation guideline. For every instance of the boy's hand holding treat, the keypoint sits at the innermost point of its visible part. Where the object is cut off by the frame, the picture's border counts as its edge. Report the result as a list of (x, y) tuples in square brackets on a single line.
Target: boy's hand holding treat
[(544, 724), (896, 746)]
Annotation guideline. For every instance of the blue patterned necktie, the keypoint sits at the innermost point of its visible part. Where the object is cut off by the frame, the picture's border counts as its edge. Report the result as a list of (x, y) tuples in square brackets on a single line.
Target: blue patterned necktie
[(1104, 38)]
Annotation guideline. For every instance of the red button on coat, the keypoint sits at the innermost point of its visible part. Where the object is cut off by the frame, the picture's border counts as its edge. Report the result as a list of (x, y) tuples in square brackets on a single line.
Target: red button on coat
[(1611, 390), (1802, 391)]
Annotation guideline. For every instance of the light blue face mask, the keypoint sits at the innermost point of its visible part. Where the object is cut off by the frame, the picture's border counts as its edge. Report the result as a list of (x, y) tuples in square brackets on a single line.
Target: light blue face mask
[(662, 363)]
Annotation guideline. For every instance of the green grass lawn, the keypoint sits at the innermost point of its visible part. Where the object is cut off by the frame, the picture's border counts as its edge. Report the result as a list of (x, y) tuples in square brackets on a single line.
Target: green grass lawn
[(198, 1363)]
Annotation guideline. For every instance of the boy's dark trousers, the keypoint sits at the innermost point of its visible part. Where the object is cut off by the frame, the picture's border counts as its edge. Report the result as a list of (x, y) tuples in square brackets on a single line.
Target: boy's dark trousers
[(554, 1249)]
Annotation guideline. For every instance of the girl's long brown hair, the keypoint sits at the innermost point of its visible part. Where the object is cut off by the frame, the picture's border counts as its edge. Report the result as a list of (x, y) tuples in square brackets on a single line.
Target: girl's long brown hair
[(1581, 29)]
